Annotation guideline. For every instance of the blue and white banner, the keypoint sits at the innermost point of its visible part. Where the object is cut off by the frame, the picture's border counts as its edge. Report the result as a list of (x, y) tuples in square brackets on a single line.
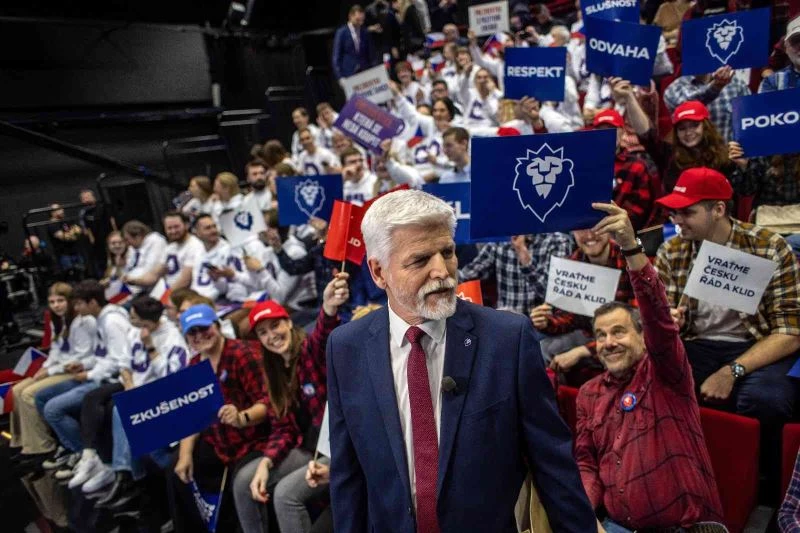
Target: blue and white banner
[(537, 72), (739, 40), (367, 124), (623, 10), (169, 409), (621, 49), (540, 183), (207, 505), (303, 197), (457, 196), (768, 123), (243, 224)]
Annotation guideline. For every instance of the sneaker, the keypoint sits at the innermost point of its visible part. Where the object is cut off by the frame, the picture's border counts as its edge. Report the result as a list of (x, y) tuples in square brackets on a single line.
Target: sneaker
[(67, 469), (86, 468), (57, 460), (102, 478)]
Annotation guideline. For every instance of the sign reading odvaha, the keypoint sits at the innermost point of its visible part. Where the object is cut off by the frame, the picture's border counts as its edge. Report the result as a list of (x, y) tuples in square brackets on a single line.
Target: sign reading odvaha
[(580, 287), (729, 278), (169, 409)]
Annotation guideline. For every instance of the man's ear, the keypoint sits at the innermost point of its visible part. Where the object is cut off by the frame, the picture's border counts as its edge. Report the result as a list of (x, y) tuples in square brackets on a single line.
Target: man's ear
[(377, 272)]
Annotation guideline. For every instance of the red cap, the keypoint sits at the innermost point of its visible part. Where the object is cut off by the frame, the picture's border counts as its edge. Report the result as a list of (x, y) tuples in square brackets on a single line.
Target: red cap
[(691, 110), (265, 310), (695, 185), (608, 117)]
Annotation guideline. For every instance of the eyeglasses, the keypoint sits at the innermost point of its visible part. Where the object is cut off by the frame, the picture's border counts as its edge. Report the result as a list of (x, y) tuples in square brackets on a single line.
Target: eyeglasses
[(198, 329)]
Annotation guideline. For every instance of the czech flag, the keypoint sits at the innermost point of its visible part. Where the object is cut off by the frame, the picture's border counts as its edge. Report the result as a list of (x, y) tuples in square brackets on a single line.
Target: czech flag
[(6, 398), (345, 241), (418, 137), (161, 291), (437, 63), (417, 65), (470, 291), (30, 362), (120, 293), (435, 40), (255, 298), (493, 44)]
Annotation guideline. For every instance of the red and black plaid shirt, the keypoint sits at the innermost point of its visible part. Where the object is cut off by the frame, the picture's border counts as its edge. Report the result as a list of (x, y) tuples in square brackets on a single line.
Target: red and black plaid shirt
[(637, 185), (561, 321), (244, 383), (312, 370), (649, 465)]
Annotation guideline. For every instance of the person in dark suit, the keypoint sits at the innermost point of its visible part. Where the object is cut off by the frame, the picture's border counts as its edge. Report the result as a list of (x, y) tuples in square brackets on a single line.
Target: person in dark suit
[(438, 407), (352, 46)]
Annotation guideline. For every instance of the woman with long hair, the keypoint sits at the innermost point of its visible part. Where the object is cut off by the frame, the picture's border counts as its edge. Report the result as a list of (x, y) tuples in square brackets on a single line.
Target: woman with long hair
[(117, 257), (693, 142), (296, 380), (201, 189), (72, 342), (227, 192)]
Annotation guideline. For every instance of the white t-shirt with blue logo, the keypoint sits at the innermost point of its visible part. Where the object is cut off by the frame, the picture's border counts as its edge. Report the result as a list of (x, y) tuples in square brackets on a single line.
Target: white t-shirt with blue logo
[(181, 255)]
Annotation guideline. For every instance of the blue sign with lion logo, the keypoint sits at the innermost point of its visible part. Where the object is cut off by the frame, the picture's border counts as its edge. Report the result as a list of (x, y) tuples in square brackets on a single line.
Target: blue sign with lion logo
[(303, 197), (540, 183)]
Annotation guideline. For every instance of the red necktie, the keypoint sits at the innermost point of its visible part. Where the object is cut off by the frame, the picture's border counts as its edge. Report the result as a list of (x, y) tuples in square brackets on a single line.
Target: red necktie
[(423, 430)]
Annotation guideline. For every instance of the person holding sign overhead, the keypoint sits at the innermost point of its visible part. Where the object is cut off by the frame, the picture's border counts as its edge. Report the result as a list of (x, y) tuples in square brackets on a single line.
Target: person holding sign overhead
[(438, 406), (296, 377), (638, 424), (248, 429), (739, 360)]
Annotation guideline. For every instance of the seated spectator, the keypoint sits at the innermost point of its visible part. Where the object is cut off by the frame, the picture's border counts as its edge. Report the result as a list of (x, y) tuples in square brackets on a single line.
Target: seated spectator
[(201, 189), (302, 121), (326, 116), (273, 153), (247, 431), (262, 187), (60, 404), (227, 192), (119, 258), (543, 21), (716, 91), (481, 101), (65, 237), (571, 345), (693, 142), (97, 223), (789, 512), (149, 249), (638, 423), (770, 180), (789, 76), (314, 159), (296, 377), (739, 361), (637, 184), (217, 250), (359, 183), (520, 267), (72, 342), (455, 145), (410, 88)]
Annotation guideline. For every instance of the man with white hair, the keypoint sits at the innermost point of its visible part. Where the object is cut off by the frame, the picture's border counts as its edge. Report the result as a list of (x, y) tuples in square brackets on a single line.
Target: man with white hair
[(438, 406)]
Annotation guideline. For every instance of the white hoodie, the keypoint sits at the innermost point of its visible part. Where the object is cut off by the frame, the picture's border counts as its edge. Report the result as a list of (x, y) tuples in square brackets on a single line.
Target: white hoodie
[(112, 349), (76, 347), (173, 353)]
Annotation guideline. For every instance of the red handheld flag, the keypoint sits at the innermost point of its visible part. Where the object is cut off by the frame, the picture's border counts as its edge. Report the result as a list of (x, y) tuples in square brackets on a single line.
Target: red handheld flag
[(470, 291), (344, 233)]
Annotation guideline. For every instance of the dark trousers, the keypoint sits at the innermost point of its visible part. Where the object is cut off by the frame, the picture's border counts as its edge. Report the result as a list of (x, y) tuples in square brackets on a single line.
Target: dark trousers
[(96, 410)]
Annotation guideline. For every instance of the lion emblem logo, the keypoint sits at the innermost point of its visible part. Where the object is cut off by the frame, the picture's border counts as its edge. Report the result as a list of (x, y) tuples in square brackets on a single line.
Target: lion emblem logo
[(309, 196), (723, 40), (543, 180)]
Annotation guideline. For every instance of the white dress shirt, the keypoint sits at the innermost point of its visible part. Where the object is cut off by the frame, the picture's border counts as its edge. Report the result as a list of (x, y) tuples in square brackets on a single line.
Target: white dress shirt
[(433, 342)]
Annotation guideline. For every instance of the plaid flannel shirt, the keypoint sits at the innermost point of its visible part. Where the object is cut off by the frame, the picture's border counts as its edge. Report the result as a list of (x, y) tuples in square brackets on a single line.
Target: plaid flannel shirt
[(637, 185), (789, 513), (779, 309), (561, 322), (768, 189), (312, 371), (719, 103), (519, 288), (241, 375)]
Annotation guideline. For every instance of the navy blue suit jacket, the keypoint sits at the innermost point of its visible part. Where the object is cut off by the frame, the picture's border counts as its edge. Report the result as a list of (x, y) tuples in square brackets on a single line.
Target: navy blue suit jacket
[(346, 61), (501, 419)]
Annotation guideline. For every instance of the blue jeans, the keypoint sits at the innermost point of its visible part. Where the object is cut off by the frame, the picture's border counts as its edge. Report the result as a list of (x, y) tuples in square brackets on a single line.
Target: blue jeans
[(612, 527), (794, 242), (63, 413), (122, 459), (45, 395)]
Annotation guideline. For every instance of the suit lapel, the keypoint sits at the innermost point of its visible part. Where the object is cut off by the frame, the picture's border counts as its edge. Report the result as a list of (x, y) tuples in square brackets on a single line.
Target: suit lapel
[(376, 352), (458, 357)]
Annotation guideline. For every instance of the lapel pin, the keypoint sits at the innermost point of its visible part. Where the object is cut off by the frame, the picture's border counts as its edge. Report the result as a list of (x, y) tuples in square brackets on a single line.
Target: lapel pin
[(467, 342)]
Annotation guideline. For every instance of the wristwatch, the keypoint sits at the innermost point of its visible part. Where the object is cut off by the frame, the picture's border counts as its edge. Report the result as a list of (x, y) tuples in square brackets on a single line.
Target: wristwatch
[(737, 370), (638, 249)]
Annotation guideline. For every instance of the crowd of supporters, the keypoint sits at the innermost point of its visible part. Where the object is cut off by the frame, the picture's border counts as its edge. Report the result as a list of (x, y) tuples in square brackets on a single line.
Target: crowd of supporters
[(261, 312)]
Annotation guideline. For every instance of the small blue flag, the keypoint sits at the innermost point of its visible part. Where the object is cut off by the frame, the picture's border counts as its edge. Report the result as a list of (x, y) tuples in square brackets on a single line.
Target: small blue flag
[(303, 197), (621, 49)]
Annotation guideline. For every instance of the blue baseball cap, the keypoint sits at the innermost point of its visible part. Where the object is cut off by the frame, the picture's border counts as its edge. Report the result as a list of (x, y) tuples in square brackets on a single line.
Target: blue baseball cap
[(202, 315)]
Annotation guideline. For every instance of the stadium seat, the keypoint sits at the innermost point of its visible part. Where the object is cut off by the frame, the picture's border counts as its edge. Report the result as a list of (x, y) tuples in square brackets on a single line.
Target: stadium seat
[(566, 405), (733, 439), (790, 446)]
